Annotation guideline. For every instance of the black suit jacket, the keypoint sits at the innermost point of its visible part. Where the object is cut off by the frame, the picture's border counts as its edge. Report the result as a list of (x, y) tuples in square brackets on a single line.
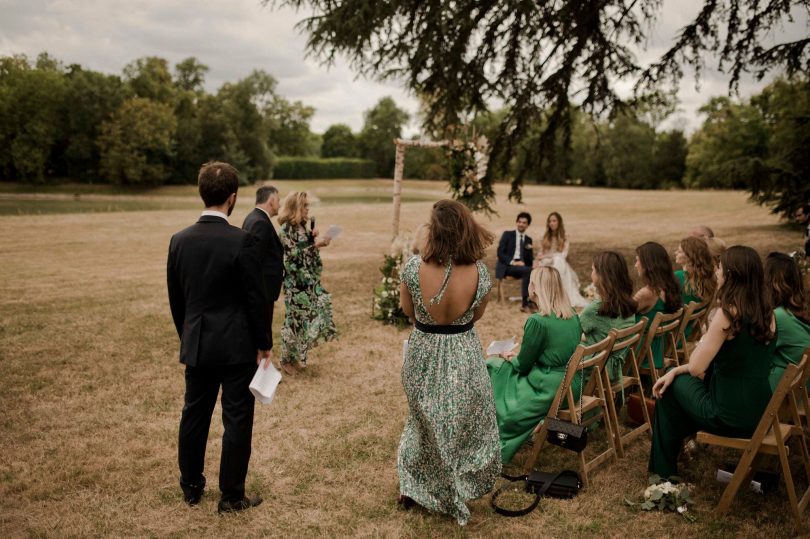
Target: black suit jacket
[(506, 252), (258, 223), (216, 294)]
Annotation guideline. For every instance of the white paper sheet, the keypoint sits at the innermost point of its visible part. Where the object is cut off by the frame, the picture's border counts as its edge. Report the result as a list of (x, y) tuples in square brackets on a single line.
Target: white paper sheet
[(332, 232), (264, 383), (497, 348)]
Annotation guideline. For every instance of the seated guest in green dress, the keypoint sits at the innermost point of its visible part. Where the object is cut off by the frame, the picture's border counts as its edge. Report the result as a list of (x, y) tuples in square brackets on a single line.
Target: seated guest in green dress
[(660, 292), (525, 386), (784, 283), (615, 307), (696, 279), (738, 344)]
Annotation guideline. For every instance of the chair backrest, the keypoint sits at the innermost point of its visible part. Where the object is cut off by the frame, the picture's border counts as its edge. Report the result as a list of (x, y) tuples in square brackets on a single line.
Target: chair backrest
[(770, 417), (627, 339), (693, 320), (584, 357), (662, 326), (798, 398)]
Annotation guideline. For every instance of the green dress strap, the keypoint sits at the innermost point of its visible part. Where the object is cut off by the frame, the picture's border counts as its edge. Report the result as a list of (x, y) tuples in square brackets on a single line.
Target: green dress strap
[(440, 294)]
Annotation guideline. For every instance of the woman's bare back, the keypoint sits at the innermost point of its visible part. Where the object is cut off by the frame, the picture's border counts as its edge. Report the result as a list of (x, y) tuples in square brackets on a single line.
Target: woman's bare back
[(458, 296)]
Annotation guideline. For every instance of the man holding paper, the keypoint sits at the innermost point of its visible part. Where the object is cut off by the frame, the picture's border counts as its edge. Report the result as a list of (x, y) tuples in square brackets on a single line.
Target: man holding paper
[(218, 306)]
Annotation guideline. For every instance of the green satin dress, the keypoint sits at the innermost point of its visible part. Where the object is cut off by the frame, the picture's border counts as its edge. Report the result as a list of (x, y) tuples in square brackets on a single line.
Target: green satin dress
[(792, 337), (525, 387), (729, 401), (686, 294), (658, 343), (596, 327)]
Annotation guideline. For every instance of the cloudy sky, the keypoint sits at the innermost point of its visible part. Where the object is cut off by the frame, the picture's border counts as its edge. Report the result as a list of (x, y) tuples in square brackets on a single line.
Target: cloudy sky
[(236, 36)]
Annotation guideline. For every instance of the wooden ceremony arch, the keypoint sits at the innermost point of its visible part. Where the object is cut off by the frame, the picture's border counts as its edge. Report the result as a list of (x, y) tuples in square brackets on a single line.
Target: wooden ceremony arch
[(399, 170)]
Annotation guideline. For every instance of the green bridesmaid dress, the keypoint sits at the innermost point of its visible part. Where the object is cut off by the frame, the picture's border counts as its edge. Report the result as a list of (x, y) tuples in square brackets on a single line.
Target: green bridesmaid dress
[(525, 387), (792, 337), (729, 401), (658, 343), (687, 295), (596, 327)]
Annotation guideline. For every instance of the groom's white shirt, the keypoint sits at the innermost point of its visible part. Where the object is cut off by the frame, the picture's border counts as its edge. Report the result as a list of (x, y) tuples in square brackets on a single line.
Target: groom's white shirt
[(213, 213)]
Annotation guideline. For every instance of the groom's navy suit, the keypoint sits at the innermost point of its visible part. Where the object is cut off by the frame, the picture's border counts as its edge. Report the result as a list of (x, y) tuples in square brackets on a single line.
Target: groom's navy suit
[(218, 306), (258, 223), (506, 255)]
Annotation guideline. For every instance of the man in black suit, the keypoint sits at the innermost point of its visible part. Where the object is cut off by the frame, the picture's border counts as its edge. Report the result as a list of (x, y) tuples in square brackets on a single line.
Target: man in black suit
[(218, 306), (258, 223), (515, 255)]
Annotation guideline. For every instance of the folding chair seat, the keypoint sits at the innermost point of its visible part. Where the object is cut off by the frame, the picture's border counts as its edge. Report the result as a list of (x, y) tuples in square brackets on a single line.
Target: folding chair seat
[(770, 438), (593, 406), (499, 286), (626, 339)]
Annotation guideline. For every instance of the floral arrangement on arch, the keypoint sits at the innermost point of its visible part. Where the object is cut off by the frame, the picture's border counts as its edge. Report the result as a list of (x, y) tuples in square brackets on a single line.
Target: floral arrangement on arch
[(385, 302), (468, 161)]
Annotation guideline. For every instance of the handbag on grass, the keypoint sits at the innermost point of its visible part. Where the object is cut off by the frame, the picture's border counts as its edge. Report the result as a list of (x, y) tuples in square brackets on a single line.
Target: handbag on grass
[(565, 484), (634, 411), (566, 434)]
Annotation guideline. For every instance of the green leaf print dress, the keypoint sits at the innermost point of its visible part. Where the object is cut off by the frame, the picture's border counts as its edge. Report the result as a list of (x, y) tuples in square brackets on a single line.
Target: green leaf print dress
[(308, 317), (449, 452)]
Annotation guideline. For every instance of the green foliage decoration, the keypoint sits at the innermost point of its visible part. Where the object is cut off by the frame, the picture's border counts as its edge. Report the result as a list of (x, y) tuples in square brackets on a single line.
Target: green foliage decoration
[(385, 306)]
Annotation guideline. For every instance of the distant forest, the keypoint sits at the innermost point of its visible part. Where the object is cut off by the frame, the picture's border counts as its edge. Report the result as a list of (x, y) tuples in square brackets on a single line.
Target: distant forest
[(154, 124)]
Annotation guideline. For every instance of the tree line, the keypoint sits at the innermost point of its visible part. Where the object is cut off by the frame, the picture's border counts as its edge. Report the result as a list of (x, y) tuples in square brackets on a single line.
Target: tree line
[(153, 125)]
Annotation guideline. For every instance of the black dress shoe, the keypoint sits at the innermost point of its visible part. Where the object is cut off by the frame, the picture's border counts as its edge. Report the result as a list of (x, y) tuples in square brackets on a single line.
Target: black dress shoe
[(239, 505), (193, 492), (193, 499)]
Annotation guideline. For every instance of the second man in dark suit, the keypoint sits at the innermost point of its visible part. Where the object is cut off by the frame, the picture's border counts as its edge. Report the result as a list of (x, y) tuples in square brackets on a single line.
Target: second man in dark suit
[(259, 225), (515, 255)]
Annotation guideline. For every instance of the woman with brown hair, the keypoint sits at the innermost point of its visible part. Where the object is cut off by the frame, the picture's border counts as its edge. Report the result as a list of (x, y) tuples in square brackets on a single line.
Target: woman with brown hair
[(525, 386), (787, 295), (696, 279), (738, 344), (660, 293), (615, 307), (554, 252), (449, 451), (308, 307)]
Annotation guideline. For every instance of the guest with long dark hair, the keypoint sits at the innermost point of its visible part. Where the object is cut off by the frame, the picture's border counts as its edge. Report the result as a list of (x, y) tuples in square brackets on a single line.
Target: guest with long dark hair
[(660, 292), (738, 343), (614, 308), (787, 295)]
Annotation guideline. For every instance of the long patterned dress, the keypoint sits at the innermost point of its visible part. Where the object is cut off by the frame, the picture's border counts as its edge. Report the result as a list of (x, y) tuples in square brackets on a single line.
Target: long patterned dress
[(449, 452), (308, 317)]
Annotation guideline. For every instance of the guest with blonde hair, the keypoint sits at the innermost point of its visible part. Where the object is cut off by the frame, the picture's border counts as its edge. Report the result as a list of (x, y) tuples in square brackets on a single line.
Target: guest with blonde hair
[(716, 247), (525, 385), (308, 307)]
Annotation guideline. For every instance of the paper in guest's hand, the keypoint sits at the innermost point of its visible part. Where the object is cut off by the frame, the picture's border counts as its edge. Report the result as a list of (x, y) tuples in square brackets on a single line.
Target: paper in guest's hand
[(499, 348), (264, 383), (332, 232)]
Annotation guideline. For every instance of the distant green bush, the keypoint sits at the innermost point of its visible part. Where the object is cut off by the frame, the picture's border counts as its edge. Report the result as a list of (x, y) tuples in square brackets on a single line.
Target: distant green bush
[(310, 168)]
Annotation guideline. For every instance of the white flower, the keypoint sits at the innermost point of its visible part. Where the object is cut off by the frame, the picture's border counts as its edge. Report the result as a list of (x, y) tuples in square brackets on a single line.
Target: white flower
[(384, 293)]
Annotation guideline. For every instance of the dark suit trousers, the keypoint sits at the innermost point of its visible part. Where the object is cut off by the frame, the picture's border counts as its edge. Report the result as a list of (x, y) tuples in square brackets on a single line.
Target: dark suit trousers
[(202, 387), (273, 285), (522, 272)]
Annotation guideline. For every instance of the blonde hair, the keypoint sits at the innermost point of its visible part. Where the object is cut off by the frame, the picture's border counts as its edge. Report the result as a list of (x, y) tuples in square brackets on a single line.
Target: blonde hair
[(549, 293), (716, 248), (291, 209)]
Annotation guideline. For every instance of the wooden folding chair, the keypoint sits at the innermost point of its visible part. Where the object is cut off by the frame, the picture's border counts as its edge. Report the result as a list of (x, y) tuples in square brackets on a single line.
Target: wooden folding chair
[(800, 396), (593, 407), (499, 287), (769, 438), (664, 326), (693, 315), (626, 339)]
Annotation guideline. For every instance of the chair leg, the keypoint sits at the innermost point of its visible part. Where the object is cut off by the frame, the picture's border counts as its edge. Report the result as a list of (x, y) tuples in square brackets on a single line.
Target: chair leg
[(613, 417), (789, 486), (539, 439), (499, 282), (741, 474)]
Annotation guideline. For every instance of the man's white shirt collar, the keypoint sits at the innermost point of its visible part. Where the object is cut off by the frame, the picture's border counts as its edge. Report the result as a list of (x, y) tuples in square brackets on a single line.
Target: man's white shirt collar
[(213, 213)]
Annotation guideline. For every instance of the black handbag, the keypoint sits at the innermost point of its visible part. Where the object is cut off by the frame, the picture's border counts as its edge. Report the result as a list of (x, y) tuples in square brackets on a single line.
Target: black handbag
[(565, 484), (566, 434)]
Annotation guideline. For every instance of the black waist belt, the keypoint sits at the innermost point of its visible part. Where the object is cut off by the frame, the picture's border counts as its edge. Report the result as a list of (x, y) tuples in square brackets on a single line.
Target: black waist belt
[(443, 330)]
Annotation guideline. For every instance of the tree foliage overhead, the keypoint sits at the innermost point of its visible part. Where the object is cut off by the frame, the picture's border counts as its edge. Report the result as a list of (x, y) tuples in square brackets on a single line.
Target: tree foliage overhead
[(538, 58)]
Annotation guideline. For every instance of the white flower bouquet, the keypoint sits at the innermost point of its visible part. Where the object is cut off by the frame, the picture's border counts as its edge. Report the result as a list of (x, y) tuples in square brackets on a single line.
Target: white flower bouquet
[(666, 496)]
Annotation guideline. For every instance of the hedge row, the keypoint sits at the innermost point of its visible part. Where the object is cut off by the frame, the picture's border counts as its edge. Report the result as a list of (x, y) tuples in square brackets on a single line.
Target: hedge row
[(309, 168)]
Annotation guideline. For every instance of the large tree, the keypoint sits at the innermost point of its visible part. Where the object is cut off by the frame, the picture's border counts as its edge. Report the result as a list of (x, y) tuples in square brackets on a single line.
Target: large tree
[(537, 58), (383, 123)]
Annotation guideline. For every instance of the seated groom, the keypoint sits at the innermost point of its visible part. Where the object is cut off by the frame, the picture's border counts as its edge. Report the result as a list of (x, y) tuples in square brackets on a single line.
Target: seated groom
[(515, 255)]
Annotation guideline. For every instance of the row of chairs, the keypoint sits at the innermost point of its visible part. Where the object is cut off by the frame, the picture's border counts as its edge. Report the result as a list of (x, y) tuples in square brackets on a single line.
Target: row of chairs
[(678, 333)]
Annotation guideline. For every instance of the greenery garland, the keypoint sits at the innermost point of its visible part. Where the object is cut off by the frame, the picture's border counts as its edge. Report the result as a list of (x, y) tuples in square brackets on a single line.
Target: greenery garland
[(467, 163)]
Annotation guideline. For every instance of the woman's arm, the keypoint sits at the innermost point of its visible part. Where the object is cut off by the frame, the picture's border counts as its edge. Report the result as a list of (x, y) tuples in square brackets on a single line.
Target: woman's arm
[(479, 310), (405, 300), (566, 245), (534, 339), (701, 357), (645, 298)]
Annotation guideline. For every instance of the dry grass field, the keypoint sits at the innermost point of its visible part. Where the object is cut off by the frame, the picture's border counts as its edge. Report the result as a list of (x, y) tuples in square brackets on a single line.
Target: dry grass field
[(91, 389)]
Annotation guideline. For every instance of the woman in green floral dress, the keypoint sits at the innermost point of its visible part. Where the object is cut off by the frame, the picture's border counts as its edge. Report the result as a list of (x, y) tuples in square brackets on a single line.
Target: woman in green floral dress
[(449, 451), (308, 317)]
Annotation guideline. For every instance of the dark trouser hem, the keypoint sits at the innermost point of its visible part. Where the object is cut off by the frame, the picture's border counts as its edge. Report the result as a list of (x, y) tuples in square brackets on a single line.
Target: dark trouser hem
[(522, 272)]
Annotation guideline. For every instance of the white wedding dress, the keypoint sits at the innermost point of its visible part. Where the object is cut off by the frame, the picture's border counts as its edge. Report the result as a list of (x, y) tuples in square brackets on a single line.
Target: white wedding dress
[(559, 261)]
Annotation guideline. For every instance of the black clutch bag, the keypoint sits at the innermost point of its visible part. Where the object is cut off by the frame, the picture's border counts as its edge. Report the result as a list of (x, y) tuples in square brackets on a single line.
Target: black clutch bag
[(566, 435), (565, 484)]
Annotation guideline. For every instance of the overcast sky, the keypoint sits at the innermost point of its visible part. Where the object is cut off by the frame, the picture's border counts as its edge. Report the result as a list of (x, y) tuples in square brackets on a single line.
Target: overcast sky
[(236, 36)]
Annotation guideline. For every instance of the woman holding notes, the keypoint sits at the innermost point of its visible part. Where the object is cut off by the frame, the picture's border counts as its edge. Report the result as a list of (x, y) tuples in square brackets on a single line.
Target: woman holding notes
[(525, 385), (308, 307)]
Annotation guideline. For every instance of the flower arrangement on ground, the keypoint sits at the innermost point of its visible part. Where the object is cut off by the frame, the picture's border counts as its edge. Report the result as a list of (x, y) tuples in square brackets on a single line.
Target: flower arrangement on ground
[(666, 496), (385, 306)]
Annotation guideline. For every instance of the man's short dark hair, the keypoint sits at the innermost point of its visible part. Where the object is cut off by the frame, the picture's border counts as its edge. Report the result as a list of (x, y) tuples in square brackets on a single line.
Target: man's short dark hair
[(217, 181), (524, 215), (264, 192)]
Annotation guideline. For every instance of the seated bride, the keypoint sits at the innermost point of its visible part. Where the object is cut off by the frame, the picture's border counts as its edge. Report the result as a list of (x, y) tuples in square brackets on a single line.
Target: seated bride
[(553, 252)]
